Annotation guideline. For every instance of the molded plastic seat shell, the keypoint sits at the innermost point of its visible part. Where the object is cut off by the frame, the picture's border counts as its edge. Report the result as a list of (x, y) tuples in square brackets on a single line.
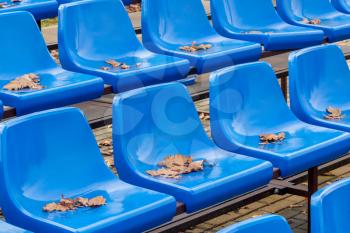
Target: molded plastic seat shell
[(342, 5), (330, 208), (168, 25), (23, 50), (41, 9), (91, 32), (335, 24), (62, 158), (263, 224), (154, 122), (239, 20), (8, 228), (246, 101), (319, 78)]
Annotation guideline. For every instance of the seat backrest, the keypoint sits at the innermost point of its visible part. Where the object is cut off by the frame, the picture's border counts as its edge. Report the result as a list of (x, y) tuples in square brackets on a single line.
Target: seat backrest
[(296, 10), (22, 47), (342, 5), (154, 122), (240, 14), (95, 30), (172, 21), (248, 98), (45, 155), (330, 208), (264, 224), (319, 77)]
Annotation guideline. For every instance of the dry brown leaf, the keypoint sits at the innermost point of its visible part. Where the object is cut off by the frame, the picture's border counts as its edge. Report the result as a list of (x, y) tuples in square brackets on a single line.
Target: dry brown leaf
[(132, 8), (204, 116), (113, 63), (107, 142), (104, 68), (176, 165), (66, 204), (96, 201), (194, 47), (311, 21), (271, 138), (27, 81), (124, 66), (334, 114)]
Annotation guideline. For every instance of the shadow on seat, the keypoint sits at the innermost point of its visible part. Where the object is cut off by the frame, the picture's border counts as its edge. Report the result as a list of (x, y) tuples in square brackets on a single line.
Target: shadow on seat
[(320, 78), (342, 5), (62, 158), (167, 25), (263, 224), (246, 101), (91, 32), (330, 208), (261, 23), (23, 50), (154, 122), (335, 24)]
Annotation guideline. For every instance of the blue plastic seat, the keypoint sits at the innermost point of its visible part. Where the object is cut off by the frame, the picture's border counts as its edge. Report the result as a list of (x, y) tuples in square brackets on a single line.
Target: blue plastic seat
[(41, 9), (335, 24), (62, 158), (330, 208), (168, 25), (342, 5), (319, 78), (91, 32), (8, 228), (263, 224), (239, 20), (23, 51), (154, 122), (246, 101)]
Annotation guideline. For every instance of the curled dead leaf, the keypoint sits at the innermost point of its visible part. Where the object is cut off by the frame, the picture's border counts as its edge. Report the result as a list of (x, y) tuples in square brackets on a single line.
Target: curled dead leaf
[(27, 81), (132, 8), (96, 201), (66, 204), (194, 47), (176, 165), (104, 68), (271, 138), (311, 21), (334, 114), (107, 142)]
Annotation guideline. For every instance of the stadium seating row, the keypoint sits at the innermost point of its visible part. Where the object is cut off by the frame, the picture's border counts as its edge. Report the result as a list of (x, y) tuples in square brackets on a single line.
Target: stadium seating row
[(87, 38), (152, 122)]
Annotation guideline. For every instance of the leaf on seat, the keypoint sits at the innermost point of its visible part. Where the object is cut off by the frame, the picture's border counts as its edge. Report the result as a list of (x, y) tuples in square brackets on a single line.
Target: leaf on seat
[(104, 68), (271, 138), (113, 63), (27, 81), (334, 114), (194, 47), (66, 204), (311, 21), (132, 8), (175, 165), (96, 201)]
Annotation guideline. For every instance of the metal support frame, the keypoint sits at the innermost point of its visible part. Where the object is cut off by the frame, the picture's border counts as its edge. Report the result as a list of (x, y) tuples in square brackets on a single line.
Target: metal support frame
[(279, 186)]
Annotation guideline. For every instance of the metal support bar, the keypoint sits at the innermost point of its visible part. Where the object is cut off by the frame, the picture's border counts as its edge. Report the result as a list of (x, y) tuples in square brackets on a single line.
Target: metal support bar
[(284, 87)]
